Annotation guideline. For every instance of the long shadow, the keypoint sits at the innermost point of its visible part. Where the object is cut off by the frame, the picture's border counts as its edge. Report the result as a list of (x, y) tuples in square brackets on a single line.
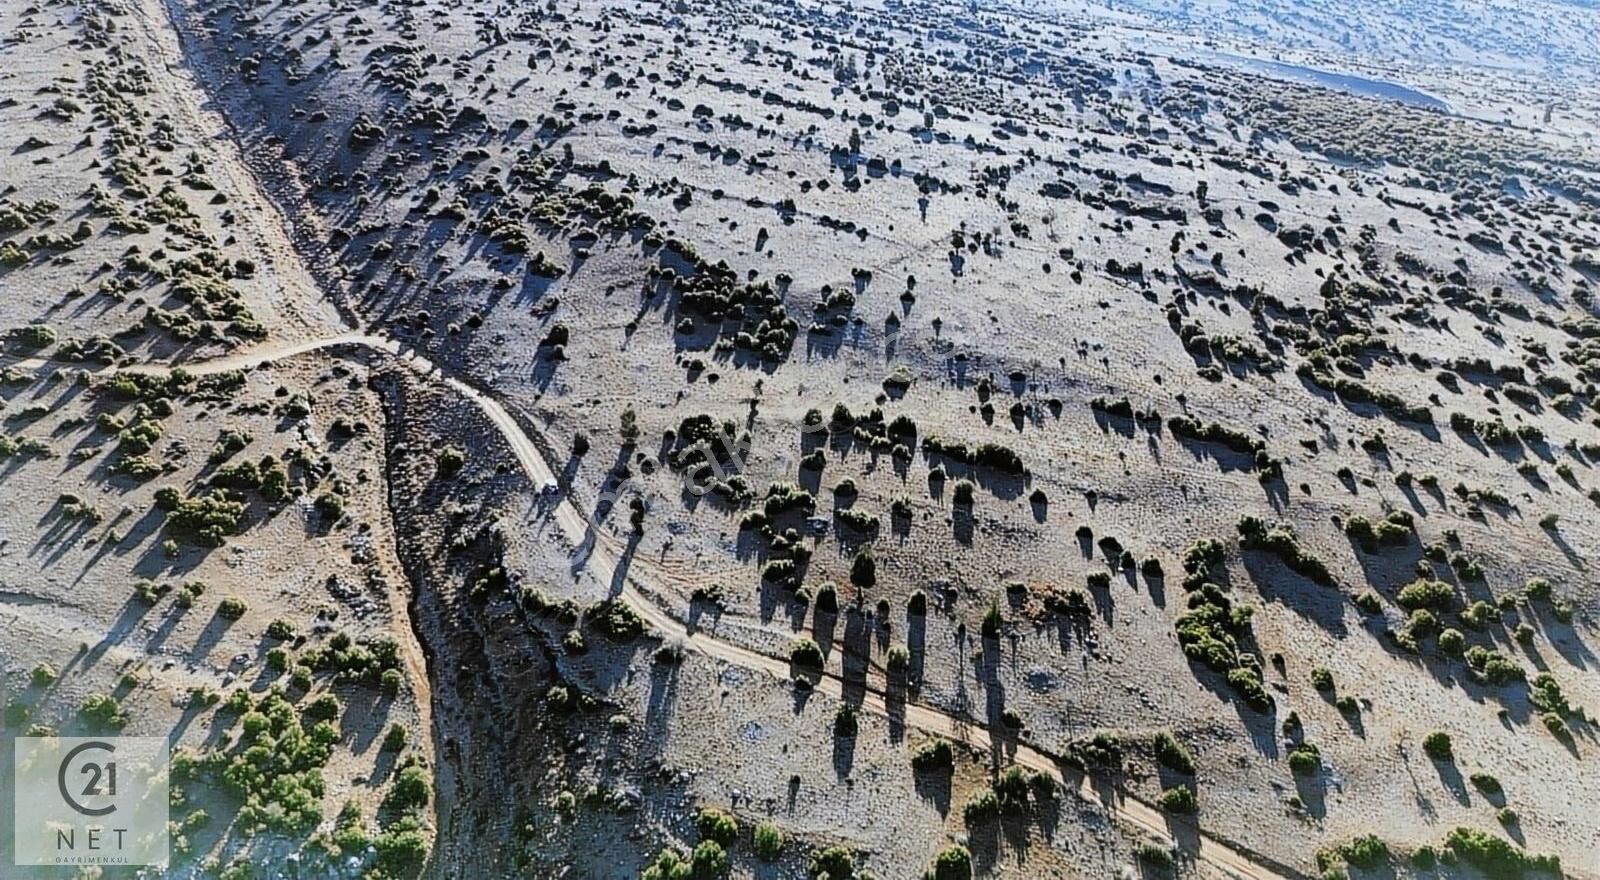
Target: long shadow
[(1276, 583), (132, 612)]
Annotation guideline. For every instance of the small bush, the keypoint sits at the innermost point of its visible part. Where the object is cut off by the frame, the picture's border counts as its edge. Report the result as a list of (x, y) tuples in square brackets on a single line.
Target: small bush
[(1172, 754), (1495, 856), (767, 841), (717, 825), (1486, 783), (43, 675), (280, 629), (231, 608), (1369, 602), (411, 790), (953, 863), (103, 712), (982, 808), (1179, 799), (835, 861), (1437, 746), (1305, 760), (1156, 856), (864, 570)]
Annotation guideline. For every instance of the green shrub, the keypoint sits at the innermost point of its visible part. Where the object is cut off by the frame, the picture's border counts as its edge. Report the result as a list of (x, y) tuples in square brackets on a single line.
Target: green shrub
[(864, 570), (1437, 746), (1280, 540), (717, 825), (43, 675), (983, 807), (767, 841), (835, 862), (1452, 643), (103, 712), (846, 722), (1539, 589), (953, 863), (231, 608), (1367, 851), (1178, 799), (1479, 614), (1155, 856), (402, 848), (1172, 754), (280, 629), (1305, 760), (323, 708), (411, 790), (1426, 593), (1495, 856)]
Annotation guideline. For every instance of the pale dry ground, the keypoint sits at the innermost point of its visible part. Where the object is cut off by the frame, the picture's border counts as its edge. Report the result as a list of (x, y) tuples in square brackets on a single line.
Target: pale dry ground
[(1155, 497), (1007, 313), (69, 585), (69, 597)]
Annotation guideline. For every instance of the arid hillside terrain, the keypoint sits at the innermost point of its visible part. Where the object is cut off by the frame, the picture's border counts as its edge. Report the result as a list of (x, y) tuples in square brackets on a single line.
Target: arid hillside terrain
[(685, 440)]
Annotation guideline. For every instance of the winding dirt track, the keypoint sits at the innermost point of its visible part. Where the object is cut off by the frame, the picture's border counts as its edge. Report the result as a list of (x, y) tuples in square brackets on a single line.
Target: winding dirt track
[(603, 562)]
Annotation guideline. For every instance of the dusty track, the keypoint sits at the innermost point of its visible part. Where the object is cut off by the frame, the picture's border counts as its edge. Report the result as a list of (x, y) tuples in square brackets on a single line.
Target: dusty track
[(603, 561)]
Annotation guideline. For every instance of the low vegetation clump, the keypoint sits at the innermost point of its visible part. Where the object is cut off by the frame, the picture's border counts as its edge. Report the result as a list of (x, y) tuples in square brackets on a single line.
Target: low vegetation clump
[(1179, 799), (1280, 540), (1496, 856), (102, 712), (1367, 852), (952, 863), (209, 519), (1490, 666), (1394, 530), (987, 455), (767, 841), (1173, 755), (717, 825), (1426, 593), (1156, 856), (1305, 759), (1211, 632), (982, 808), (834, 861)]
